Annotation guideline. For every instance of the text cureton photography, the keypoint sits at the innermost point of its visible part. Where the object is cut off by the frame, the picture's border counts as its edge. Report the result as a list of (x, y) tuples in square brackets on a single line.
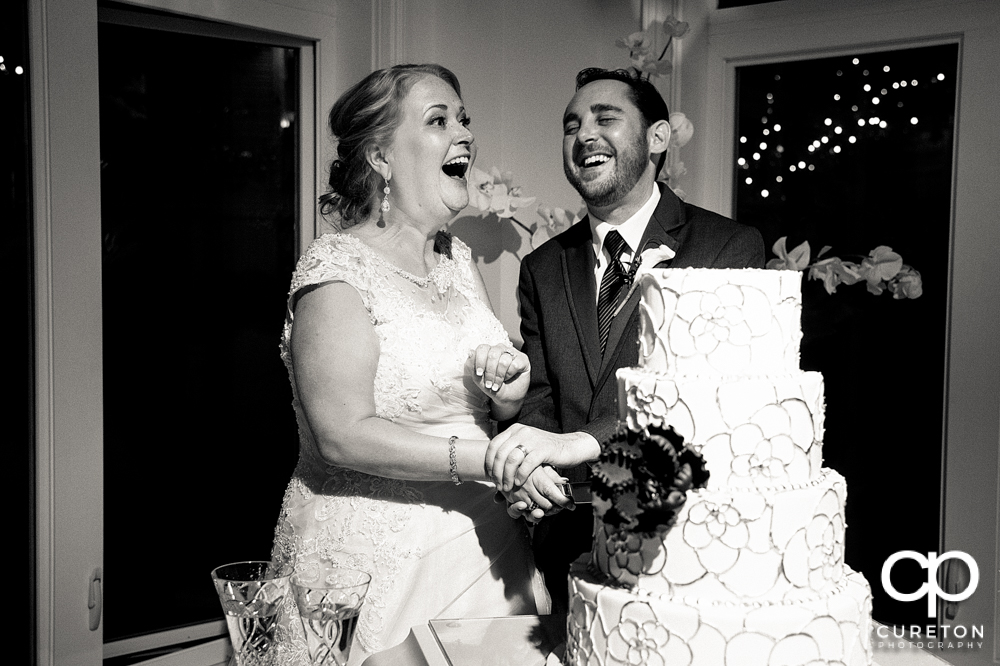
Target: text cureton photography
[(932, 636)]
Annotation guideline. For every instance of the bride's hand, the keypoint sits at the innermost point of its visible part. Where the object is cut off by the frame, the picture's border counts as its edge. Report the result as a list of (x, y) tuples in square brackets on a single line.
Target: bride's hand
[(541, 495), (501, 372)]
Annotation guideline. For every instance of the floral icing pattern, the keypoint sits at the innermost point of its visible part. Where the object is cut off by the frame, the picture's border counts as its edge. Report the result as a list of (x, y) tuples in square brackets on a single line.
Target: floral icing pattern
[(611, 626), (640, 638), (701, 320), (718, 529), (815, 554)]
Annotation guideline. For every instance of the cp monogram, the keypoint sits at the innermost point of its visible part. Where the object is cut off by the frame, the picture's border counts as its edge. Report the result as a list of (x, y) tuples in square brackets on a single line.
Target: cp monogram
[(930, 588)]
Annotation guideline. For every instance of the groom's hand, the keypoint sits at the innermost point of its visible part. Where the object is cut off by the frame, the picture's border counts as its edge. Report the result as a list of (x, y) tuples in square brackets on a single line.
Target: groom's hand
[(514, 454)]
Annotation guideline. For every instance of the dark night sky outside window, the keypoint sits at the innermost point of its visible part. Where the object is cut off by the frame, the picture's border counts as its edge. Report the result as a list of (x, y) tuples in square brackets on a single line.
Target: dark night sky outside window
[(199, 184), (854, 152)]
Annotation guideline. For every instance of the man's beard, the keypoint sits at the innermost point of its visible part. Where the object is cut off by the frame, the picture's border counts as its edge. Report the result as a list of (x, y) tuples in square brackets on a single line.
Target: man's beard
[(630, 164)]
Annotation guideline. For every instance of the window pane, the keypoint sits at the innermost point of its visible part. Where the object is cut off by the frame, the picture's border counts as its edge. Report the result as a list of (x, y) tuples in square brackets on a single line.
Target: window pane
[(199, 189), (856, 152)]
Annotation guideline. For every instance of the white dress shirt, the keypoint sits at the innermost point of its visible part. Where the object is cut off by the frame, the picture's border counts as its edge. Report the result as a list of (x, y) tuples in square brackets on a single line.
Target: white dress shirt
[(631, 231)]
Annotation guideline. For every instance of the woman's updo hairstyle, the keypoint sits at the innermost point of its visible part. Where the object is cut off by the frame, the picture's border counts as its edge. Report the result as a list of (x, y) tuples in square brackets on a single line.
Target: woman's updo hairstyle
[(366, 116)]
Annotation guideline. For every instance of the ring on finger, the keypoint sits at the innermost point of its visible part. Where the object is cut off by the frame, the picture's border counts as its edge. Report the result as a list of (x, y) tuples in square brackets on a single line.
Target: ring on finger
[(524, 451), (531, 507)]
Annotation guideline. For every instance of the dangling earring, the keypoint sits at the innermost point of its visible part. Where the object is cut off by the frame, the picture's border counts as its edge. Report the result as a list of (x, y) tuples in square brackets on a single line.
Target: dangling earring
[(385, 199)]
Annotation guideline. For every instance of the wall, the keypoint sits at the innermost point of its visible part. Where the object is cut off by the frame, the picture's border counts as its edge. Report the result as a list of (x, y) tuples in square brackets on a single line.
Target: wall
[(517, 62)]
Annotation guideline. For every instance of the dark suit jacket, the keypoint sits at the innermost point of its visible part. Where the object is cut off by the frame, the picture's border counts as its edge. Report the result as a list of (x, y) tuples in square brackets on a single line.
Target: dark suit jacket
[(573, 388)]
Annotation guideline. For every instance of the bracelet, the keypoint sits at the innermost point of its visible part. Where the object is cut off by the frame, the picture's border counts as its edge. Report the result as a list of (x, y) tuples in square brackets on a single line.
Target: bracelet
[(453, 461)]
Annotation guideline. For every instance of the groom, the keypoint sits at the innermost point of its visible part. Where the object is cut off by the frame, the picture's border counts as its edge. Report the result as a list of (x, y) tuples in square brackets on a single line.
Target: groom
[(576, 330)]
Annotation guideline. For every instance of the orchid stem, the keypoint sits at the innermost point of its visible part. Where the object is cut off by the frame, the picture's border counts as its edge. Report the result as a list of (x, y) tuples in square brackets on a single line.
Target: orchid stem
[(665, 47), (515, 221)]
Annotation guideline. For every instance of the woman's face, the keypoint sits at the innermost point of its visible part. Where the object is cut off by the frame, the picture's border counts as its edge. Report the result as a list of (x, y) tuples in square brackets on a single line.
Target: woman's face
[(431, 152)]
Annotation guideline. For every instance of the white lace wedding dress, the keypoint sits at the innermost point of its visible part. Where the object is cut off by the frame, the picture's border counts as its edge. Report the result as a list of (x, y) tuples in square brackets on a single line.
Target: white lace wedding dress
[(433, 549)]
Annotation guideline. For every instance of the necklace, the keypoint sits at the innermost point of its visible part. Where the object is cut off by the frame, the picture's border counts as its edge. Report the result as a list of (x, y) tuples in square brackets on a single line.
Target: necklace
[(421, 282)]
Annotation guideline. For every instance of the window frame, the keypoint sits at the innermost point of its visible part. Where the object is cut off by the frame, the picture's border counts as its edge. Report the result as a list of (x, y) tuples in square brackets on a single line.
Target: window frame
[(65, 144)]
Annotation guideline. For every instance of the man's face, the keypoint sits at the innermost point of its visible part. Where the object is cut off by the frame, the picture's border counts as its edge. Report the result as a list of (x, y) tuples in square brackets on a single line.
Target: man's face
[(605, 147)]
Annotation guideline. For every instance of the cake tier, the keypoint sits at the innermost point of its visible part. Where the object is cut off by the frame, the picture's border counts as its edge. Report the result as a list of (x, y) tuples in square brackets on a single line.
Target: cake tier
[(733, 545), (697, 321), (752, 431), (606, 625)]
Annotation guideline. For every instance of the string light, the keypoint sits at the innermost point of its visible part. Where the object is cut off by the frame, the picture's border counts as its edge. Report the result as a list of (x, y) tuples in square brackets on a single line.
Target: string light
[(878, 91)]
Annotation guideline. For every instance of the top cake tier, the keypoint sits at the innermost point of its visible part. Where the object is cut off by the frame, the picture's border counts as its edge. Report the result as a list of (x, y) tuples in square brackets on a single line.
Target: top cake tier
[(699, 321)]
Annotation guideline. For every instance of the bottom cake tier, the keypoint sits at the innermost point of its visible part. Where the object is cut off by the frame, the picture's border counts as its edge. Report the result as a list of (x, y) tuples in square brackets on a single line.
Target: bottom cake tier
[(611, 625)]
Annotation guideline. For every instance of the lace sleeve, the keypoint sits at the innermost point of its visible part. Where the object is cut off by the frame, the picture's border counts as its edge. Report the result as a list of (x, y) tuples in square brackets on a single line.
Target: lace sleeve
[(331, 258)]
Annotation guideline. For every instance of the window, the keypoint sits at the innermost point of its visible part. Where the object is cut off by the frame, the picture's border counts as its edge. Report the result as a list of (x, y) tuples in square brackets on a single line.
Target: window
[(199, 204), (855, 151)]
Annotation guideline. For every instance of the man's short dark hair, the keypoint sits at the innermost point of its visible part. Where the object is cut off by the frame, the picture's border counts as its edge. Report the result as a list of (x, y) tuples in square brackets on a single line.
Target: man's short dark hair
[(642, 93)]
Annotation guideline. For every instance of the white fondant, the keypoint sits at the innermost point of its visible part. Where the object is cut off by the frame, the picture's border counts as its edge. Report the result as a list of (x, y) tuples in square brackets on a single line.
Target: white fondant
[(615, 626), (751, 572)]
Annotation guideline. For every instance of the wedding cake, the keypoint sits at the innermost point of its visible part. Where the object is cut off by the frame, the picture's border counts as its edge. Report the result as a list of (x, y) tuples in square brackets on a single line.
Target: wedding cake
[(718, 534)]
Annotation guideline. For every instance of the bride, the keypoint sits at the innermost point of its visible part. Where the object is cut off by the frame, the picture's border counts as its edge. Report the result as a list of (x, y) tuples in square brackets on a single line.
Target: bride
[(397, 364)]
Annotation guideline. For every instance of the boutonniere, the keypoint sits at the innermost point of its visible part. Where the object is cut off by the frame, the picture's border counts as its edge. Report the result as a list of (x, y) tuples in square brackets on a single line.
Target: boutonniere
[(647, 261)]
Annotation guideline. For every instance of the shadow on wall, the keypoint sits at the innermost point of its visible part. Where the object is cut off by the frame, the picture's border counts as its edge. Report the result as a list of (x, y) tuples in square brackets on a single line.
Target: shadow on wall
[(485, 237)]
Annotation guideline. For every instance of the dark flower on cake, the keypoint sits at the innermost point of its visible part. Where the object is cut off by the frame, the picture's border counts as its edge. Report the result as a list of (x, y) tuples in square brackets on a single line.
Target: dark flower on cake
[(613, 474), (645, 477), (624, 550)]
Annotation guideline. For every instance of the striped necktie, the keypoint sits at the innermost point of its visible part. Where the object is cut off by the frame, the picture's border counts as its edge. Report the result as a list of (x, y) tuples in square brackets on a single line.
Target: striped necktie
[(611, 285)]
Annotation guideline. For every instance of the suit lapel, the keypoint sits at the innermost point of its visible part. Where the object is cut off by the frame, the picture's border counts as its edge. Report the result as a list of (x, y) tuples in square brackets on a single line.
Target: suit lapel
[(578, 279), (666, 218)]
